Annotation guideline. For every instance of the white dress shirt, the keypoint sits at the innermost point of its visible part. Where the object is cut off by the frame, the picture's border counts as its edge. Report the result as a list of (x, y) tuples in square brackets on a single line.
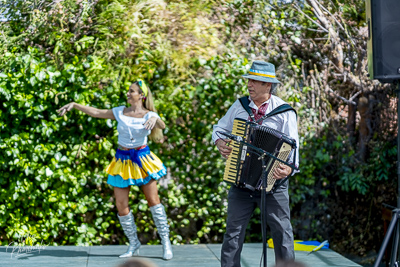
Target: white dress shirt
[(285, 122)]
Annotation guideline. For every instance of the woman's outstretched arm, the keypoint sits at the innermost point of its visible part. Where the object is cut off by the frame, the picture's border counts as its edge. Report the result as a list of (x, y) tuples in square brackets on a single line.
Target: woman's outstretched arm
[(91, 111)]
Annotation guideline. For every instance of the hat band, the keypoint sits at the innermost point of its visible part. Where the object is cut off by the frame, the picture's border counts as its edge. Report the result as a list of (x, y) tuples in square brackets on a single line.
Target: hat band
[(261, 74)]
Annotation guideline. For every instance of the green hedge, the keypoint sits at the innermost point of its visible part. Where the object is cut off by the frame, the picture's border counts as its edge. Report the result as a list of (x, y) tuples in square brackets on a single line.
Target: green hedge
[(54, 184)]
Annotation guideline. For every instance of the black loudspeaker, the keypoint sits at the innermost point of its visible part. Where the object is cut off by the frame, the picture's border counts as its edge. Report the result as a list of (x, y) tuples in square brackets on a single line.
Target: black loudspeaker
[(383, 18)]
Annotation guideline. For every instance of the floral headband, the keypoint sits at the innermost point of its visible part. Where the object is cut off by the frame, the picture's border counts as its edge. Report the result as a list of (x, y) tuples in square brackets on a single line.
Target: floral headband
[(143, 87)]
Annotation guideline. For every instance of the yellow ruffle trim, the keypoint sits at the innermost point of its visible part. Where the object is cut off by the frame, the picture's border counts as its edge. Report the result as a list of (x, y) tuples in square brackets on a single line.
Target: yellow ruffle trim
[(128, 169)]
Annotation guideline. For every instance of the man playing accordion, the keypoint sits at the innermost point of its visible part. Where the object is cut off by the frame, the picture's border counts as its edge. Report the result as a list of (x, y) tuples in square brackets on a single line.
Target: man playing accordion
[(242, 201)]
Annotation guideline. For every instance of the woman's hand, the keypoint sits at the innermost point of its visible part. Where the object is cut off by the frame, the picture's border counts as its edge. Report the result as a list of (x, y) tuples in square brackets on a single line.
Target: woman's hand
[(282, 171), (150, 123), (223, 148), (66, 108)]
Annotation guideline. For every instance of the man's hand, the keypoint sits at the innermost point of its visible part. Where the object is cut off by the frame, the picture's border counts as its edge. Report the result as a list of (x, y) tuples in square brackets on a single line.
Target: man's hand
[(282, 171), (223, 148)]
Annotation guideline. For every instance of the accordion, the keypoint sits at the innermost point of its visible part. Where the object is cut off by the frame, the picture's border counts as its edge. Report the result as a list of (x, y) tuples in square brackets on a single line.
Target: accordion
[(244, 168)]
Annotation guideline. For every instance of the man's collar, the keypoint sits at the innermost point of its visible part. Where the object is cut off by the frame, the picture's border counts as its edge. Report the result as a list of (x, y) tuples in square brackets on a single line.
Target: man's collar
[(253, 105)]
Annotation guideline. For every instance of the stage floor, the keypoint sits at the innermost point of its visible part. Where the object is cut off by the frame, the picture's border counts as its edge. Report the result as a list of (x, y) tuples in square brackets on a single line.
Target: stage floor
[(205, 255)]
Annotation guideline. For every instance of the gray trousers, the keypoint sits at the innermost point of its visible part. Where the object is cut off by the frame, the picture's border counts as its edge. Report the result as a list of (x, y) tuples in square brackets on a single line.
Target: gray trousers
[(241, 204)]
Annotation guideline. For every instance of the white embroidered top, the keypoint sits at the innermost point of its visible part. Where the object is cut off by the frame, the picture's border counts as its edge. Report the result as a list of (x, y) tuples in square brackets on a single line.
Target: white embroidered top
[(131, 132)]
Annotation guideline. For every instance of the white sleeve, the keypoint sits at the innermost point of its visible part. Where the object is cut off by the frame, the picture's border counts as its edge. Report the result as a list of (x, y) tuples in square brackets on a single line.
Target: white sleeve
[(226, 122), (151, 114), (117, 111), (291, 130)]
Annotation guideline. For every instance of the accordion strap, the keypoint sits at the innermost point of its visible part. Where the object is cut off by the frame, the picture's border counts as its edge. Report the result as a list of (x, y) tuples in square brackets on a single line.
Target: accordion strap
[(246, 105), (278, 110)]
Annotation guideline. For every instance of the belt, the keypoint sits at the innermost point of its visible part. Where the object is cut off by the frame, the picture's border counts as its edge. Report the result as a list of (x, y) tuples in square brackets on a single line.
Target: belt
[(127, 149)]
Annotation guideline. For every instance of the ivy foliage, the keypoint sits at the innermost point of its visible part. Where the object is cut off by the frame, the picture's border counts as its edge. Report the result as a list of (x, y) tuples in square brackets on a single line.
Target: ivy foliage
[(54, 187)]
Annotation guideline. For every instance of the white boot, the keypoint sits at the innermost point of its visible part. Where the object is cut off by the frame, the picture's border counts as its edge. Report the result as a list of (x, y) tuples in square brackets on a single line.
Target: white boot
[(130, 230), (160, 220)]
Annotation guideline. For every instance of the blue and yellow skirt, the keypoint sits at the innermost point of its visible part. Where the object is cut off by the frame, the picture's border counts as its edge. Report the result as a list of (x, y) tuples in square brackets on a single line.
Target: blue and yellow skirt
[(134, 167)]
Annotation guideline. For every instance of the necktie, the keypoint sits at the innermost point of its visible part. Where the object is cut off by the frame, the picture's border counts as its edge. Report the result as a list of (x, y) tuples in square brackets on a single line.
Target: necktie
[(260, 112)]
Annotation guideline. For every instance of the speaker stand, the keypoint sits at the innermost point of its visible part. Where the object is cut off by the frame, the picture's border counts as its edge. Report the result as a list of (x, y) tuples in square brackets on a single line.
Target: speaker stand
[(394, 226)]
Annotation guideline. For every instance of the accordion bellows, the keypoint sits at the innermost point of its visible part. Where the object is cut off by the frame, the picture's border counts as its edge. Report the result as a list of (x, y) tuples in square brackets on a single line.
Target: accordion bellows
[(136, 165)]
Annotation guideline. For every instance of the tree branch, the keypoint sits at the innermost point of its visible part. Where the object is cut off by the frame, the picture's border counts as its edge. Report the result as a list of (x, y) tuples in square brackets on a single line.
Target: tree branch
[(347, 101), (301, 11)]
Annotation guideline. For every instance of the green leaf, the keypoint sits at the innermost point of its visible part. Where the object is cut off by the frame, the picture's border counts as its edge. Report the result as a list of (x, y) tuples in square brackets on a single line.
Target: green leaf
[(32, 80), (41, 75)]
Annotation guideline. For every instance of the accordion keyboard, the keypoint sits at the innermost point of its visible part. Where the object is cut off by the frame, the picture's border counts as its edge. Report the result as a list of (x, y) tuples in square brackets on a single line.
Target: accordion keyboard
[(233, 164)]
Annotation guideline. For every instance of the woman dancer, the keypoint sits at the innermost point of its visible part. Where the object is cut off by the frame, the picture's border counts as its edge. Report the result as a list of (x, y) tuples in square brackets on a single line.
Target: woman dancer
[(134, 163)]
